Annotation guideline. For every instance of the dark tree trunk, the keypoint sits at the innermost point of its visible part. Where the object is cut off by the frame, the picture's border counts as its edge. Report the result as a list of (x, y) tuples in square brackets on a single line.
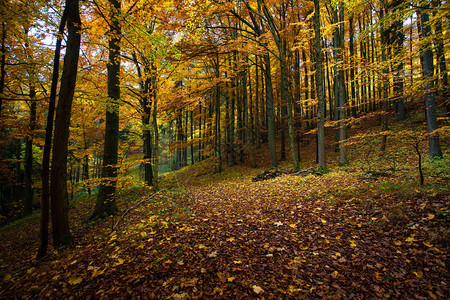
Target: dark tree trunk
[(28, 203), (319, 87), (2, 65), (384, 120), (217, 117), (257, 109), (58, 188), (270, 113), (106, 201), (352, 68), (180, 138)]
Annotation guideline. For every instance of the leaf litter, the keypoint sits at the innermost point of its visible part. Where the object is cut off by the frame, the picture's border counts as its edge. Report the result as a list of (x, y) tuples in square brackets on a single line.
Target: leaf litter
[(288, 237)]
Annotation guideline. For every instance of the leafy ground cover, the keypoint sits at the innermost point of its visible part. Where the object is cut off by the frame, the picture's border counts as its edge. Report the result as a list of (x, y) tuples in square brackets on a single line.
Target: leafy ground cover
[(367, 230)]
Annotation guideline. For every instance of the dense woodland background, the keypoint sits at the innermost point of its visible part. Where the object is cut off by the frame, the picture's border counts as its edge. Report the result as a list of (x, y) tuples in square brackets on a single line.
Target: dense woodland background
[(99, 97)]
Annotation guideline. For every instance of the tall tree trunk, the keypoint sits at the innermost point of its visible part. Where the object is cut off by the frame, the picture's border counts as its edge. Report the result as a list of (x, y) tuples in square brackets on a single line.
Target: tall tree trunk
[(28, 207), (58, 188), (257, 97), (155, 133), (430, 104), (319, 87), (200, 132), (342, 91), (148, 171), (248, 144), (397, 39), (352, 67), (285, 96), (384, 120), (106, 201), (179, 139), (2, 65), (28, 162), (191, 118), (440, 53), (270, 112), (217, 115)]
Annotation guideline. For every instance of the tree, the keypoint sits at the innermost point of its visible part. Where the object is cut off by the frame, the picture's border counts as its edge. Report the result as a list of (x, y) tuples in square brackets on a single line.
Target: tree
[(428, 71), (106, 202), (319, 88), (58, 187)]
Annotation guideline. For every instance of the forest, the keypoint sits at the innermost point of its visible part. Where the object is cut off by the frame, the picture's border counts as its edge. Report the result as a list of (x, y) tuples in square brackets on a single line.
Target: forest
[(224, 149)]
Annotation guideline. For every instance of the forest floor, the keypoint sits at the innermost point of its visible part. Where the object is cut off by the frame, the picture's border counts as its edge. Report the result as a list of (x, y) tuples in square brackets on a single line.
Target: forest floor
[(366, 230)]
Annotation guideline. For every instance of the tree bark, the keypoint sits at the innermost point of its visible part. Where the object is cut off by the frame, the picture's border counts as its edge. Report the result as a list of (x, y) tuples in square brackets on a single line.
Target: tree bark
[(58, 188), (430, 104), (2, 65), (270, 113), (319, 86), (106, 202), (28, 203)]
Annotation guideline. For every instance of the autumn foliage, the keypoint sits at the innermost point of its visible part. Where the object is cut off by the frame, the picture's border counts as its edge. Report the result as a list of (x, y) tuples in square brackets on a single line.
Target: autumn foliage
[(143, 124)]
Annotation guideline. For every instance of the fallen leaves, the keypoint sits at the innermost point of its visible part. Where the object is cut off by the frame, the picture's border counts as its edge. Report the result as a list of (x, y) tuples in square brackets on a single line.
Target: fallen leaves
[(75, 280), (257, 289), (244, 240)]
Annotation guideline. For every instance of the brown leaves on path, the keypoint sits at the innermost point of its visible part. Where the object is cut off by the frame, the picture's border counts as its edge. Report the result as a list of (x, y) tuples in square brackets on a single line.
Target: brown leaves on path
[(290, 237)]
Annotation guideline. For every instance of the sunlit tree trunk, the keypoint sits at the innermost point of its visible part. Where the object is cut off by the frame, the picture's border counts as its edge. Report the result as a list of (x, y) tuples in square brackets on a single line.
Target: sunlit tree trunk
[(397, 39)]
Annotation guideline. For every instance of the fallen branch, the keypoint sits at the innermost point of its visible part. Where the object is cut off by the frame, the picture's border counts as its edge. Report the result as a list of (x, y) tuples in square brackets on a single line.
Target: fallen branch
[(305, 172)]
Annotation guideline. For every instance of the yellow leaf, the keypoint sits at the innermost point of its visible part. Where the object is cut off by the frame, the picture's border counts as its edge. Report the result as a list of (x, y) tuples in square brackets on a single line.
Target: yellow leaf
[(411, 239), (230, 279), (97, 272), (430, 217), (338, 254), (432, 295), (352, 243), (335, 274), (238, 262), (119, 262), (75, 280), (419, 274), (323, 221), (205, 220), (7, 278), (293, 226), (168, 281), (398, 243), (230, 239), (257, 289), (428, 244)]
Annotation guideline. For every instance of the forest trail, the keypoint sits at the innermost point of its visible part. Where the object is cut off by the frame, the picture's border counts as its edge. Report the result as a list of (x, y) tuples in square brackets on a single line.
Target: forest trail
[(288, 237)]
